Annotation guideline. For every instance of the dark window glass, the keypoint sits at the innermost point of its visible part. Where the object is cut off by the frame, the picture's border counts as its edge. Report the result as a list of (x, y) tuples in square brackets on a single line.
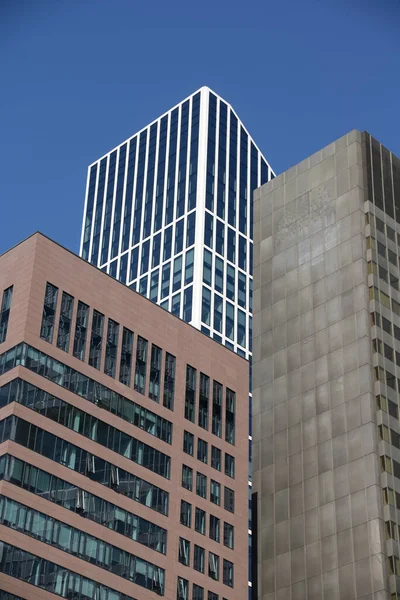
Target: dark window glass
[(81, 326), (228, 573), (5, 313), (186, 514), (217, 409), (198, 592), (228, 535), (64, 323), (187, 477), (96, 339), (169, 381), (126, 357), (155, 371), (199, 555), (202, 450), (207, 267), (230, 413), (206, 306), (204, 397), (229, 499), (201, 485), (188, 443), (141, 364), (187, 304), (208, 230), (190, 394), (110, 360), (49, 312), (229, 465), (216, 458), (214, 528), (215, 492)]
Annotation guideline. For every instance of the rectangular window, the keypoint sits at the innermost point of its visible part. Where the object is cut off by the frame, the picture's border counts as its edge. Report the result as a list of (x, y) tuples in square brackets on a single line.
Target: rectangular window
[(81, 326), (206, 306), (204, 395), (169, 381), (201, 485), (228, 535), (49, 312), (217, 409), (229, 499), (229, 321), (202, 450), (229, 465), (213, 566), (96, 339), (184, 552), (183, 589), (230, 416), (188, 443), (215, 492), (186, 514), (189, 260), (110, 360), (187, 477), (5, 313), (214, 531), (215, 458), (187, 304), (125, 366), (212, 596), (166, 273), (177, 275), (198, 592), (141, 364), (228, 573), (190, 395), (198, 557), (200, 521), (155, 371), (207, 267), (64, 323)]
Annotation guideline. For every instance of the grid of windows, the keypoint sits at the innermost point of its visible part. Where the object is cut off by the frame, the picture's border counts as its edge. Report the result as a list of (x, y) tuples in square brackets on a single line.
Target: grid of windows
[(53, 578), (40, 526)]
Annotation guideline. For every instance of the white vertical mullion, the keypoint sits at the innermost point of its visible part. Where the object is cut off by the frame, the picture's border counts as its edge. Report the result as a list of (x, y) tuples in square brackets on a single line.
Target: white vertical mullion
[(113, 206), (135, 176), (200, 208), (154, 198), (96, 189), (103, 209), (164, 202), (121, 226), (174, 216)]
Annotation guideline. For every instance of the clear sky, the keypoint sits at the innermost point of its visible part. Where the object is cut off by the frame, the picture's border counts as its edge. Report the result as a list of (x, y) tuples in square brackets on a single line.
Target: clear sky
[(78, 77)]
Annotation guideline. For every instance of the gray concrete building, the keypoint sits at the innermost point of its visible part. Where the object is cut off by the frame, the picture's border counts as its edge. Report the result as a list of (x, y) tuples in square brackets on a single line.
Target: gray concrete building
[(326, 377)]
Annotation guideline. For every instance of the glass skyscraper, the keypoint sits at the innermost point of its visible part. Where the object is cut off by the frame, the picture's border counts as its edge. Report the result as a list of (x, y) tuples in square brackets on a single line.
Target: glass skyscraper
[(169, 213)]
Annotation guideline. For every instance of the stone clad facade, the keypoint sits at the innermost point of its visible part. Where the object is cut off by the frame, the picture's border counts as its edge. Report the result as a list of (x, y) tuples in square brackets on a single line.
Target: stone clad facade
[(316, 452)]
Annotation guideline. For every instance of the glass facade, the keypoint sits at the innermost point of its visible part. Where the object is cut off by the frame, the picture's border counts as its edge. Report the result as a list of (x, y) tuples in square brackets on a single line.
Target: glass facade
[(187, 212)]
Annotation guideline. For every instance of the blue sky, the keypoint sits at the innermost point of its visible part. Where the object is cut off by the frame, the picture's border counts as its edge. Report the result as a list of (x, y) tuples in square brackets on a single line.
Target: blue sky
[(79, 77)]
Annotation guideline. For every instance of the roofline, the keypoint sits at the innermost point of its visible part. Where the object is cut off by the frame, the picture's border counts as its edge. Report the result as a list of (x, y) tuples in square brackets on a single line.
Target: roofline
[(40, 234), (203, 87)]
